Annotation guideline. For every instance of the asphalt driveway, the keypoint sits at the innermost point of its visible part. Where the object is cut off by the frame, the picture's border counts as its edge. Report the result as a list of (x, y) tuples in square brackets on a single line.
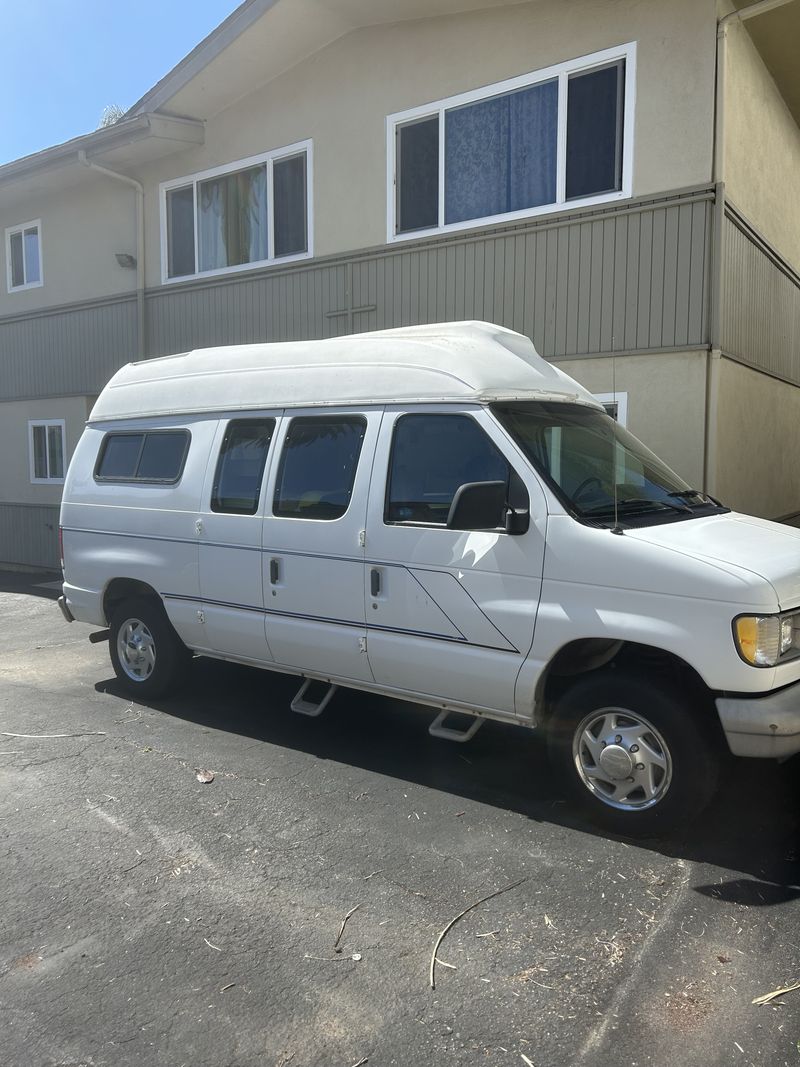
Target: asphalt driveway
[(150, 919)]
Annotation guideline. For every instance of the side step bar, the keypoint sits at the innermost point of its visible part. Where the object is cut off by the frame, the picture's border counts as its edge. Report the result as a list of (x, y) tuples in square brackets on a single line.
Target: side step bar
[(449, 733), (309, 707)]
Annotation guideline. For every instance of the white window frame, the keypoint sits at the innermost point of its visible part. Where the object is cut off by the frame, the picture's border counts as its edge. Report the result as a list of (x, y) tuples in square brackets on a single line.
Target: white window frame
[(230, 168), (21, 229), (558, 70), (46, 423), (620, 399)]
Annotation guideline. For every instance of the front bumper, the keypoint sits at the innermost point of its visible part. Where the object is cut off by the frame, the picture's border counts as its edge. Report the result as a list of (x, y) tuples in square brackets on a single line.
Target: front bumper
[(765, 726)]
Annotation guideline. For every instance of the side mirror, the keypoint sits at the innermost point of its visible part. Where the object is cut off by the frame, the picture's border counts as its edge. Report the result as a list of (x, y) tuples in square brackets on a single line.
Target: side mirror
[(478, 506)]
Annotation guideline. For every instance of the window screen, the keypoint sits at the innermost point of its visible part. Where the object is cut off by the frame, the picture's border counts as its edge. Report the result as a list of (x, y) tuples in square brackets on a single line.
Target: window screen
[(418, 175), (432, 456), (180, 228), (594, 131), (240, 467), (318, 466), (289, 195), (154, 456)]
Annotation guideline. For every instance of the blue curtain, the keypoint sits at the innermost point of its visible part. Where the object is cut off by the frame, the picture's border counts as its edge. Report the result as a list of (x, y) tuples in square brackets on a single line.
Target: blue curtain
[(500, 154)]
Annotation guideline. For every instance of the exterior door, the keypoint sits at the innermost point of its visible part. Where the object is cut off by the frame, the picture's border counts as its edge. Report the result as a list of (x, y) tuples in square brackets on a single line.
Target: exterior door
[(229, 537), (450, 613), (313, 554)]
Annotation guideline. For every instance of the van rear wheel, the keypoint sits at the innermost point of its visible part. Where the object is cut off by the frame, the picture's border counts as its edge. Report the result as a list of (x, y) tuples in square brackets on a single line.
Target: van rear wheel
[(147, 655), (638, 757)]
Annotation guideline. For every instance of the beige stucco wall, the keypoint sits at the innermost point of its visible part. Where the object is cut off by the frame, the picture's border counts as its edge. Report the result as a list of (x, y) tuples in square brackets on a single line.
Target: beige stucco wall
[(757, 428), (15, 484), (666, 402), (341, 96), (82, 227), (762, 147)]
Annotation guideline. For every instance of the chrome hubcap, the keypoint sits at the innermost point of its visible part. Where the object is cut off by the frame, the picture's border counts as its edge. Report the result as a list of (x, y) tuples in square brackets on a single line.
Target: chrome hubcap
[(136, 650), (622, 759)]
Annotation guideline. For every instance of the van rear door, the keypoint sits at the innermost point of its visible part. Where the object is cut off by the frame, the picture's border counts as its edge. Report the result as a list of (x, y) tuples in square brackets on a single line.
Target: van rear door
[(313, 558), (450, 614)]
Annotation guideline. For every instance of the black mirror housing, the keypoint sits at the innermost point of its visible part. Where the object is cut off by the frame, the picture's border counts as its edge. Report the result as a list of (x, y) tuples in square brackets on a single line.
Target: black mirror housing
[(478, 506)]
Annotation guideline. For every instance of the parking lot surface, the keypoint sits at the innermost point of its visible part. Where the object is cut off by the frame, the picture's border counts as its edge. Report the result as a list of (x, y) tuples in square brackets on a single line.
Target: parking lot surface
[(151, 919)]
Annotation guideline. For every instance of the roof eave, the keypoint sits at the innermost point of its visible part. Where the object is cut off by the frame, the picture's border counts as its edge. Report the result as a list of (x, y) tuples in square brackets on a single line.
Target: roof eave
[(127, 131)]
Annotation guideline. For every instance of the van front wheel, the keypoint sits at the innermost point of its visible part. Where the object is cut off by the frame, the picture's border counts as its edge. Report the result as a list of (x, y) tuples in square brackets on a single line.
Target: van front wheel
[(636, 756), (147, 655)]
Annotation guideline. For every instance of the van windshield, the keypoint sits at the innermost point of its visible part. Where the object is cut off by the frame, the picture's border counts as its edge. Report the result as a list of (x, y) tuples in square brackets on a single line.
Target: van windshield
[(584, 454)]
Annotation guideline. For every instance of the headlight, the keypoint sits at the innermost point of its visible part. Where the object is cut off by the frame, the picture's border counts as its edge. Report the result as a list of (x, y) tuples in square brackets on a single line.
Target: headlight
[(766, 640)]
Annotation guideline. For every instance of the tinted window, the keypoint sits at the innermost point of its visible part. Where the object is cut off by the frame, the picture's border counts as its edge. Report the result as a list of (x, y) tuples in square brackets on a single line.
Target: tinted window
[(240, 467), (318, 467), (155, 456), (432, 455), (162, 456), (120, 455)]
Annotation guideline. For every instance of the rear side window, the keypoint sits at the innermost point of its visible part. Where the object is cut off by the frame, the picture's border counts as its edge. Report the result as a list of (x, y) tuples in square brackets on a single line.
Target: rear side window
[(151, 456), (240, 467), (432, 456), (318, 466)]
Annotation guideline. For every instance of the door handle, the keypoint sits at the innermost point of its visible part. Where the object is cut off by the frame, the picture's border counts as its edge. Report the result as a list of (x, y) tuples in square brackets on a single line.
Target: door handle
[(375, 582), (274, 571)]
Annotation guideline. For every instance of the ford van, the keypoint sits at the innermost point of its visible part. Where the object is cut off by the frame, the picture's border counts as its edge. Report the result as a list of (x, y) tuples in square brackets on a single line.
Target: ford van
[(437, 514)]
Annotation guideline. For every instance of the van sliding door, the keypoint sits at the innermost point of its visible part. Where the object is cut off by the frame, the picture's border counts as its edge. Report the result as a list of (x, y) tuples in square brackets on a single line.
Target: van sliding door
[(229, 536), (313, 553)]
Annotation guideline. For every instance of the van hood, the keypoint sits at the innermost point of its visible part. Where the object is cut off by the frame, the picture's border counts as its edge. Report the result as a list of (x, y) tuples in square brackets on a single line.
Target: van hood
[(737, 542)]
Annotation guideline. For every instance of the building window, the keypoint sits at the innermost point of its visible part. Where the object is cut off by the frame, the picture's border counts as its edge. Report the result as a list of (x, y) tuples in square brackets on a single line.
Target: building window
[(616, 405), (24, 256), (240, 216), (518, 148), (46, 450)]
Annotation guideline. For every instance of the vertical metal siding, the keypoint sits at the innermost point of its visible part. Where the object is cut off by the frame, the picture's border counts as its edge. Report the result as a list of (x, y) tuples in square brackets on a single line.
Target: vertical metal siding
[(624, 278), (29, 535), (761, 303), (66, 351), (621, 280)]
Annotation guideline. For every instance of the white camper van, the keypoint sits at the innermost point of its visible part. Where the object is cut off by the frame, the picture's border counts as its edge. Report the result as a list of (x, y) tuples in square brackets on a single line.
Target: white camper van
[(437, 514)]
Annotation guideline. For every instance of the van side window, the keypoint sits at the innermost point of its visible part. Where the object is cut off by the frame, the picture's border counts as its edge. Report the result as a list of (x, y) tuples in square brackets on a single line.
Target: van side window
[(318, 466), (240, 467), (146, 456), (432, 456)]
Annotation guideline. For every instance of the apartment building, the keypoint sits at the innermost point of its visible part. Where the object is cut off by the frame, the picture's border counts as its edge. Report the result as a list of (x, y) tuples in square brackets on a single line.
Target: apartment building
[(618, 180)]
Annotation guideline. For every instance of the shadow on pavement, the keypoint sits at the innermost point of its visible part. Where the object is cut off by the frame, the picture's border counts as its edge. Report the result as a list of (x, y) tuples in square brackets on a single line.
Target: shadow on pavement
[(751, 826), (45, 584)]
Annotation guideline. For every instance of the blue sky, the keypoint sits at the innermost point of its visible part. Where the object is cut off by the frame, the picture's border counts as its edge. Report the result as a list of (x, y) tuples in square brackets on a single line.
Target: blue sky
[(65, 60)]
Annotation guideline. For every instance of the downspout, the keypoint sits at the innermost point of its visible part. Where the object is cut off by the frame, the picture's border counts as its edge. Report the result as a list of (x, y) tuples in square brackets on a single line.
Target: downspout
[(140, 319), (717, 311)]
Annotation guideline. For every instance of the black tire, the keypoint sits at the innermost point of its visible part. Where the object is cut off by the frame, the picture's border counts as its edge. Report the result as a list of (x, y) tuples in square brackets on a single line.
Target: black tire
[(681, 752), (152, 673)]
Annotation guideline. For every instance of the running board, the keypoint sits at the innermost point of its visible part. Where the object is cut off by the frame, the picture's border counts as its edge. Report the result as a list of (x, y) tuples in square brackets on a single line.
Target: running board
[(449, 733), (308, 707)]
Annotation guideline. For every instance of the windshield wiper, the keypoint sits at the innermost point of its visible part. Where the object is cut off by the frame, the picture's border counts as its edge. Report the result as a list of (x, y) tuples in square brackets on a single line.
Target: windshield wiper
[(628, 502), (683, 493)]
